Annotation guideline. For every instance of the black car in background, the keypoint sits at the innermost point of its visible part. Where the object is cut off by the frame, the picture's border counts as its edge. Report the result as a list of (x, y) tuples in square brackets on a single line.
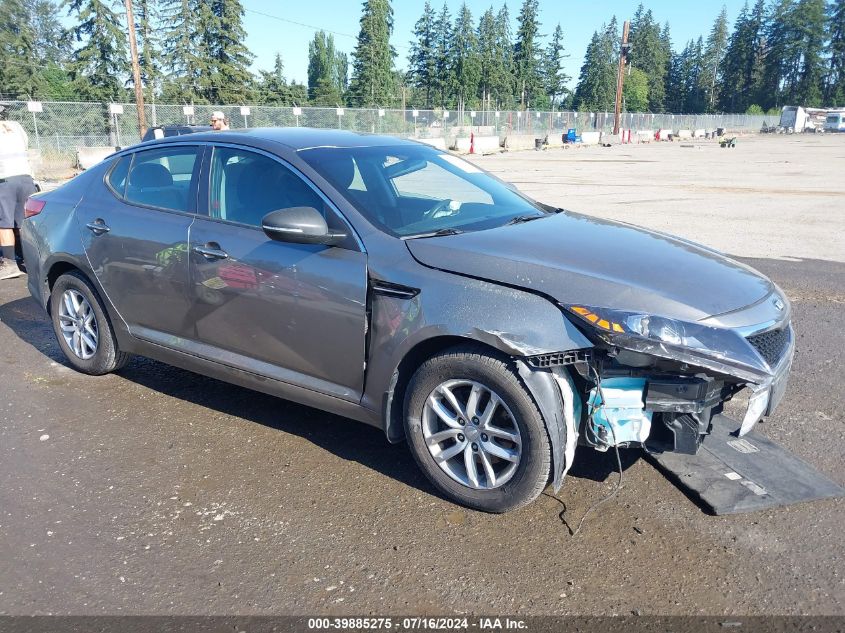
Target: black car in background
[(166, 131)]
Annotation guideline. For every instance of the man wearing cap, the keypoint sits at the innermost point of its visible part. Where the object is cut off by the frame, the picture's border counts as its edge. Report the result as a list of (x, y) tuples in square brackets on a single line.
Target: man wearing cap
[(16, 186), (218, 121)]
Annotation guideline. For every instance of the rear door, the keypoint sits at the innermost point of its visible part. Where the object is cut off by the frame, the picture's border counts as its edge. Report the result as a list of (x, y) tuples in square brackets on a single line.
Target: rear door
[(135, 234), (294, 312)]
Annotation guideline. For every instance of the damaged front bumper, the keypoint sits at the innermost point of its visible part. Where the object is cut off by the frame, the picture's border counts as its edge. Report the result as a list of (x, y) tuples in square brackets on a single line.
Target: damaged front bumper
[(629, 390)]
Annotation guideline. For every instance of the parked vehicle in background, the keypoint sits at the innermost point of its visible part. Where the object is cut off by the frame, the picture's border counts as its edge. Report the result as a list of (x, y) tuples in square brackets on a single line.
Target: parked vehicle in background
[(835, 122), (387, 281), (166, 131)]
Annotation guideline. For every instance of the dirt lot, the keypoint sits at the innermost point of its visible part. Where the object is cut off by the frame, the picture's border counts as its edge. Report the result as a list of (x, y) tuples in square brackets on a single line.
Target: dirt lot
[(770, 197), (157, 491)]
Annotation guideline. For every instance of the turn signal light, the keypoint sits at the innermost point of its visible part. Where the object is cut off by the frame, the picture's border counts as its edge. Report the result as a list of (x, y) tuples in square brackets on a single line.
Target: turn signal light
[(599, 322), (33, 206)]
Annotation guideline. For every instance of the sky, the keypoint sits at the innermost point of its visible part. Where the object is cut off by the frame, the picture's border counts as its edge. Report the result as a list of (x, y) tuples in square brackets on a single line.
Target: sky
[(286, 26)]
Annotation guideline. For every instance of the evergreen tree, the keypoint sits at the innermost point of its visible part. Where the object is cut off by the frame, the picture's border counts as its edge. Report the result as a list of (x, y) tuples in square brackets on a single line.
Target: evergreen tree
[(555, 80), (526, 58), (422, 61), (683, 91), (695, 97), (147, 20), (809, 88), (466, 65), (326, 71), (675, 81), (666, 55), (442, 53), (19, 70), (372, 68), (51, 40), (741, 68), (226, 77), (182, 51), (487, 61), (835, 84), (503, 75), (736, 94), (596, 90), (782, 55), (99, 66), (648, 53), (713, 53), (274, 89)]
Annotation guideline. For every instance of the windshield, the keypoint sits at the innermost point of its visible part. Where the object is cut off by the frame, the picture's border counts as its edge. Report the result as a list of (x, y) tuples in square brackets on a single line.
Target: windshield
[(415, 191)]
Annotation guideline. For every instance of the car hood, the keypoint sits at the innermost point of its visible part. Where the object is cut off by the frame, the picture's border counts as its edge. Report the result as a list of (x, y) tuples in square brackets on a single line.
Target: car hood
[(576, 259)]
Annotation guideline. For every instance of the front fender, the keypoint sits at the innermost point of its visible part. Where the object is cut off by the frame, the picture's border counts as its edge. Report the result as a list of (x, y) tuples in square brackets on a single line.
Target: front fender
[(452, 309)]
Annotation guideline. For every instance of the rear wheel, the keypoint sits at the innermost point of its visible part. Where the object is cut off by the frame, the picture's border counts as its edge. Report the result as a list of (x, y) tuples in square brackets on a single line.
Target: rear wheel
[(475, 431), (82, 327)]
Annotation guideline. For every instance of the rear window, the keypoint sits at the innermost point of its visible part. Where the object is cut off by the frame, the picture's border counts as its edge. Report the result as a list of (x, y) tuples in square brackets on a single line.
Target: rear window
[(162, 178), (117, 175)]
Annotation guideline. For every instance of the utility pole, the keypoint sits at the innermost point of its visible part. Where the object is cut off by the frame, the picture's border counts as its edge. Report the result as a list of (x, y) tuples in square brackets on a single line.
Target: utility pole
[(136, 70), (620, 75)]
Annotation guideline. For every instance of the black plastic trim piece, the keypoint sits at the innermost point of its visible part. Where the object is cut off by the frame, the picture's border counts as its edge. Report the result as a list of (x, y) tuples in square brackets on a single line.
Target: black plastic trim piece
[(398, 291)]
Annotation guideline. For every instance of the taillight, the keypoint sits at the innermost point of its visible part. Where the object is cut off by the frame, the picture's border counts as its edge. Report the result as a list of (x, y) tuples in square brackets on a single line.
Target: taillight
[(33, 206)]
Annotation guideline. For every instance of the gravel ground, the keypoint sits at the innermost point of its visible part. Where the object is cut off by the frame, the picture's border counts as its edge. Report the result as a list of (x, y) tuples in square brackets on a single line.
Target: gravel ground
[(157, 491), (771, 196)]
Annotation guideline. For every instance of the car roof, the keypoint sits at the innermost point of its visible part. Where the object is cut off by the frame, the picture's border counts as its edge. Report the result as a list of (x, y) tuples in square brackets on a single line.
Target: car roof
[(296, 138)]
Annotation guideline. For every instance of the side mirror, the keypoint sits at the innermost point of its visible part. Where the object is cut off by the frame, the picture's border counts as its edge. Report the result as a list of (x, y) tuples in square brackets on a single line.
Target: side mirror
[(300, 225)]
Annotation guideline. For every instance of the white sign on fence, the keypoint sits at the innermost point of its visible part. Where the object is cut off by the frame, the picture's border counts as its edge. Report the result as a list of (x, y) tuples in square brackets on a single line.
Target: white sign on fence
[(297, 111), (472, 113), (445, 114), (339, 111), (381, 111), (34, 106), (115, 108), (245, 111), (188, 110), (497, 114), (415, 113)]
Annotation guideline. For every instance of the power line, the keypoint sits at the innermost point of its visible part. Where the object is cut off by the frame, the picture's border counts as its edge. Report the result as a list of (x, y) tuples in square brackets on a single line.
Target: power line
[(312, 27)]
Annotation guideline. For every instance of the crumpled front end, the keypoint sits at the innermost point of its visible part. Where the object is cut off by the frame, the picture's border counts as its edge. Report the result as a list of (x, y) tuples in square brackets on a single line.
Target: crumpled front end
[(658, 382)]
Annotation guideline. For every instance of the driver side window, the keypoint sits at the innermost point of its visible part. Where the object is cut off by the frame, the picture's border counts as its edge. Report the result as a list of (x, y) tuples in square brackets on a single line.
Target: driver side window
[(245, 186)]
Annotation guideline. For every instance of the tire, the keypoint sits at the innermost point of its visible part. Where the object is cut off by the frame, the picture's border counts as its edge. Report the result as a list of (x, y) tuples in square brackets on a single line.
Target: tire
[(507, 484), (77, 312)]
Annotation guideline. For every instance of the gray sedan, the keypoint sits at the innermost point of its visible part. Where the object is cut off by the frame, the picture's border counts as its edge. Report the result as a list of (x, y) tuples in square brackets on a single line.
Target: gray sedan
[(392, 283)]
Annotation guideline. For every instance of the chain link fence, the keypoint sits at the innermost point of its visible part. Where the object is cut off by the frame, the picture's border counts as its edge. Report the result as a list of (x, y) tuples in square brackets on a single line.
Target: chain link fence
[(57, 129)]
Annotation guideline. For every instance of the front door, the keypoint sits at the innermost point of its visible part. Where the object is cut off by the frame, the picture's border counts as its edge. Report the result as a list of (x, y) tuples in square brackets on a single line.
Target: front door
[(135, 234), (293, 312)]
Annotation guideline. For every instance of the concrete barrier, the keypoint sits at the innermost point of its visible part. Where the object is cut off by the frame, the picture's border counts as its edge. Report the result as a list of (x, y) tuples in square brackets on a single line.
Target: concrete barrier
[(699, 134), (684, 134), (519, 141), (644, 136), (590, 138), (663, 135), (87, 157), (483, 144)]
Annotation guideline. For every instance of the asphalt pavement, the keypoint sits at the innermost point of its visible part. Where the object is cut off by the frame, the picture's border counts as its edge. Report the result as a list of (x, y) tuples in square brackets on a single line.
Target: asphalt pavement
[(158, 491)]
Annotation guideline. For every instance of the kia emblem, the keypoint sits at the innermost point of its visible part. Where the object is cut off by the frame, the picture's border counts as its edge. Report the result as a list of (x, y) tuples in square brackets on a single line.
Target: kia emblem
[(779, 304)]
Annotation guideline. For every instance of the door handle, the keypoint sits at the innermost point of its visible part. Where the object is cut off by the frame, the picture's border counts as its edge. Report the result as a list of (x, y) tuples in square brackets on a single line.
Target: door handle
[(98, 227), (210, 252)]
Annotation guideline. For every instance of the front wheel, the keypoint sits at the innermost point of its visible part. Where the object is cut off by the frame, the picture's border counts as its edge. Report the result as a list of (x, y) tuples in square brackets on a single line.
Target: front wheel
[(82, 327), (475, 431)]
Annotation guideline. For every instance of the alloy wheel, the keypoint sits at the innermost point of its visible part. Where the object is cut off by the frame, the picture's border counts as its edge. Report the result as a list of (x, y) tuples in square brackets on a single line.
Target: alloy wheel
[(471, 434), (78, 324)]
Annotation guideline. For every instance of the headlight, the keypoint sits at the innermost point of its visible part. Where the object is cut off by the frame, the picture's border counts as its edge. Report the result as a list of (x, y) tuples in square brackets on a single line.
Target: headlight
[(656, 328), (721, 349)]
